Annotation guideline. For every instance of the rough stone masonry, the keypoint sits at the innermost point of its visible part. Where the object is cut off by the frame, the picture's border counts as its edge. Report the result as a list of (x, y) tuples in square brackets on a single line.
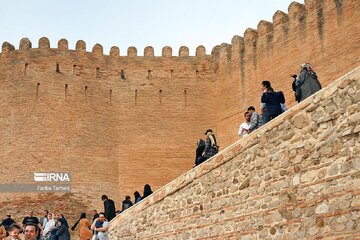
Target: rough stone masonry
[(297, 177)]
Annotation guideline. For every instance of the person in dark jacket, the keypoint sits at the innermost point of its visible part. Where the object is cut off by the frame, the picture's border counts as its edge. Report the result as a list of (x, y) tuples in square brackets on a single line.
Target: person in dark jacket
[(211, 147), (137, 197), (147, 191), (109, 208), (293, 86), (60, 215), (265, 87), (126, 203), (199, 151), (272, 101), (6, 222), (95, 215), (307, 82), (53, 234), (62, 232)]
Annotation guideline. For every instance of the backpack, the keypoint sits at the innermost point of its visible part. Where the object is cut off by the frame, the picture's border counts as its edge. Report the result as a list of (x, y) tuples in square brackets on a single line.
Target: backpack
[(126, 206), (314, 79)]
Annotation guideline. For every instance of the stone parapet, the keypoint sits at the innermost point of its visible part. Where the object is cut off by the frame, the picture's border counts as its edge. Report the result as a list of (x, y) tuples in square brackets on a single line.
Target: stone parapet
[(297, 177)]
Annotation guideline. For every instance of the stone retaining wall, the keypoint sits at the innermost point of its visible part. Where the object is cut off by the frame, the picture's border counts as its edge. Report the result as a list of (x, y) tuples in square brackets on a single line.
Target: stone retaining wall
[(297, 177)]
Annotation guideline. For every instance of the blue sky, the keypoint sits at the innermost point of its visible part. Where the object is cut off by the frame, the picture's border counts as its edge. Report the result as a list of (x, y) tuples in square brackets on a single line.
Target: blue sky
[(138, 23)]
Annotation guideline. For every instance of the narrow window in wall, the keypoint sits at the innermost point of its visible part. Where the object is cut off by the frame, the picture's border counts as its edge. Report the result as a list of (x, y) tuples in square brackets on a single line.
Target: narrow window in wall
[(160, 96), (197, 75), (122, 74), (149, 74), (185, 97), (110, 96), (85, 92), (97, 72), (136, 93), (74, 68), (37, 90), (57, 68), (171, 74), (66, 89), (26, 65)]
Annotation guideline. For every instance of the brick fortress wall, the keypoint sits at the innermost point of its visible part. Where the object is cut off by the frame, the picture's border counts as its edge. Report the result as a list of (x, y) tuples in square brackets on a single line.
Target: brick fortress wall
[(114, 122), (70, 110)]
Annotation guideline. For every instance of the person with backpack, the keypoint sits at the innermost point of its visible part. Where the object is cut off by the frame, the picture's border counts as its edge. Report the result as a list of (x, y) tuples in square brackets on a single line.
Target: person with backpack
[(199, 151), (272, 102), (306, 83), (127, 203), (211, 147)]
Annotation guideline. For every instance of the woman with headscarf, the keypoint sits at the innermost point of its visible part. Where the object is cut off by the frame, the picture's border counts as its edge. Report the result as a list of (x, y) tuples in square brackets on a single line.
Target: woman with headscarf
[(137, 197), (60, 215), (147, 191), (84, 227), (307, 82), (49, 225), (62, 232), (211, 147)]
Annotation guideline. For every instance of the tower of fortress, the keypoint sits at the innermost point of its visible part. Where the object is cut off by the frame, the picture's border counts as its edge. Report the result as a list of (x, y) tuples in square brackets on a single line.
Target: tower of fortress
[(116, 121)]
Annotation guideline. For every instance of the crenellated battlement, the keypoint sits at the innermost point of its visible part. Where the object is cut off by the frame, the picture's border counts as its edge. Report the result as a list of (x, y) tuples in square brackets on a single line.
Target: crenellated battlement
[(97, 50), (301, 21), (297, 21), (318, 32)]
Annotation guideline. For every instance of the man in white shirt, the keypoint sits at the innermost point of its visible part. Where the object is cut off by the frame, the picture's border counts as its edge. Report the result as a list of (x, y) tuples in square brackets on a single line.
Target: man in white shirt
[(244, 127)]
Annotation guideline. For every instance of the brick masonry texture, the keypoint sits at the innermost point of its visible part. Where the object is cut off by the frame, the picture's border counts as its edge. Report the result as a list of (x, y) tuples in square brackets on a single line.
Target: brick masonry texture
[(325, 33), (295, 178), (118, 121)]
